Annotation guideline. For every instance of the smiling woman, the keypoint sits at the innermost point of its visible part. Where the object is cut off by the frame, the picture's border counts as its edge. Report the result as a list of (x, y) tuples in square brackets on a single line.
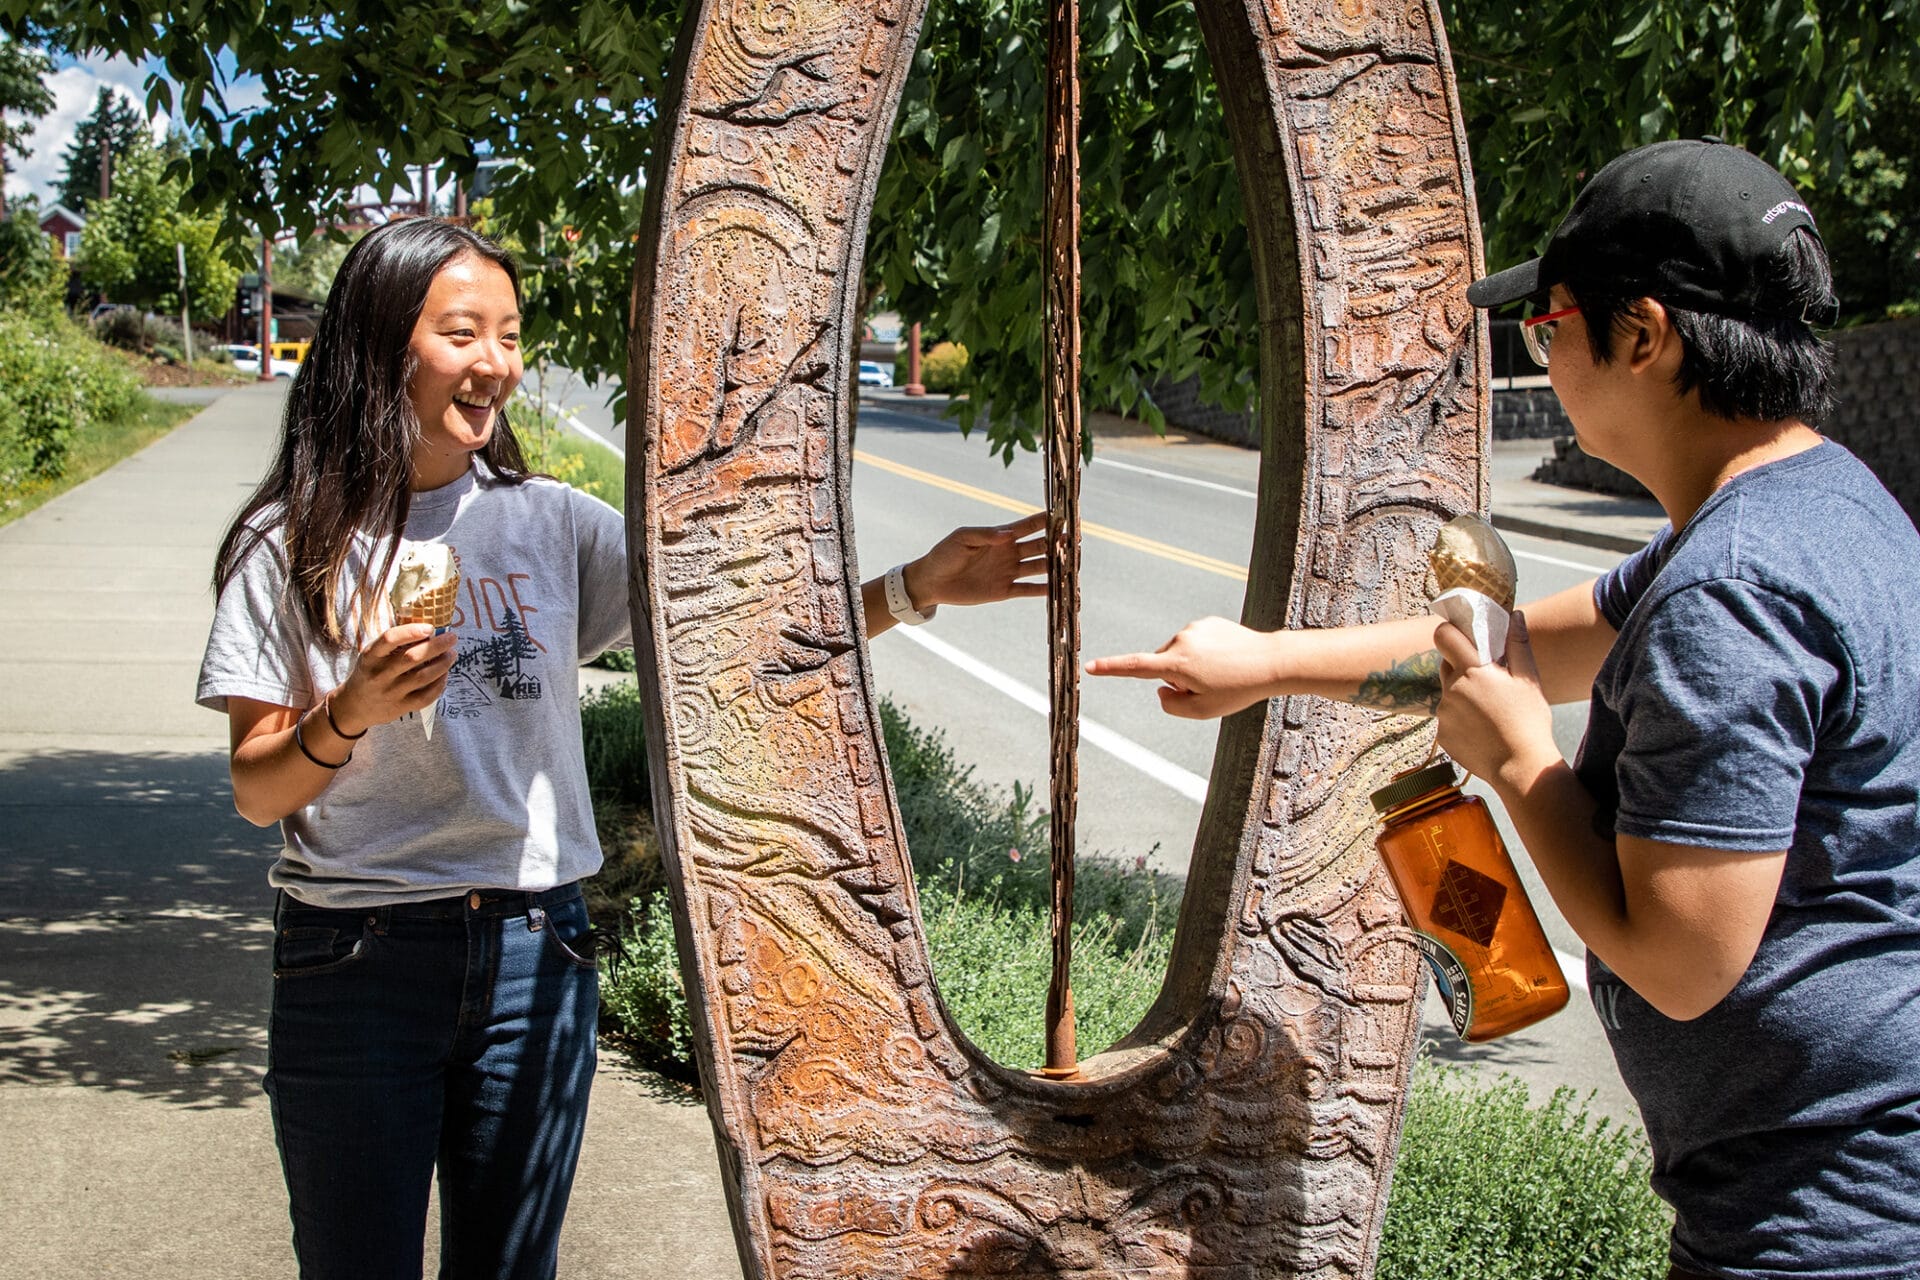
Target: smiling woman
[(425, 851), (467, 362)]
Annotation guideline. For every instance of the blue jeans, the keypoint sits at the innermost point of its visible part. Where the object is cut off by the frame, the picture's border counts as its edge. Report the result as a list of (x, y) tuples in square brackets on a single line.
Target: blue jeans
[(456, 1034)]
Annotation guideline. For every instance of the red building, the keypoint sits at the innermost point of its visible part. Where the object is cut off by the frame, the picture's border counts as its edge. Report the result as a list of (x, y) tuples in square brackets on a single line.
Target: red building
[(63, 226)]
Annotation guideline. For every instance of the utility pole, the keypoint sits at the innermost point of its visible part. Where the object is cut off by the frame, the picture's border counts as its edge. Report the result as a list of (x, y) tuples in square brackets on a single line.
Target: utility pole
[(266, 311), (186, 318), (106, 167), (913, 387)]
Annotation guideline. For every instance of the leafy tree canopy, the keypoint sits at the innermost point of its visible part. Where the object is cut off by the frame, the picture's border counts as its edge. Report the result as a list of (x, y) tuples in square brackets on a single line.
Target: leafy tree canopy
[(116, 124), (128, 247), (1550, 89), (24, 98)]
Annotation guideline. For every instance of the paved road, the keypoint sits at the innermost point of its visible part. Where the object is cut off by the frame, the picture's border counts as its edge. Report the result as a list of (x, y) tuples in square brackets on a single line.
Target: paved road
[(1175, 525), (571, 395)]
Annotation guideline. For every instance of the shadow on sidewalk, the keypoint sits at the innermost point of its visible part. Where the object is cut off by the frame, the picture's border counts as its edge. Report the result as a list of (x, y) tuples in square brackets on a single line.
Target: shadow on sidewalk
[(135, 928)]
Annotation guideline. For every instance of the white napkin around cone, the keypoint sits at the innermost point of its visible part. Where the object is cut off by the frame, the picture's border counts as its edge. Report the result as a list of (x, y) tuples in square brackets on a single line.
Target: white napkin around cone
[(1480, 616)]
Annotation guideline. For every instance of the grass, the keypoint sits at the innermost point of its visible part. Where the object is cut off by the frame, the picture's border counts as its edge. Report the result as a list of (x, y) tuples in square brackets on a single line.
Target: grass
[(95, 447)]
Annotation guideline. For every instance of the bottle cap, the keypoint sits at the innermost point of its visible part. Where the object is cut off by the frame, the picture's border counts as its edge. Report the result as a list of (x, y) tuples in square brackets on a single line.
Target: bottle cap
[(1411, 786)]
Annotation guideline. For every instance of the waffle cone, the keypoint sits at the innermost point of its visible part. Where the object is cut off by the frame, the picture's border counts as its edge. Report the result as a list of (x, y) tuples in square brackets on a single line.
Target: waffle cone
[(1452, 572), (434, 606)]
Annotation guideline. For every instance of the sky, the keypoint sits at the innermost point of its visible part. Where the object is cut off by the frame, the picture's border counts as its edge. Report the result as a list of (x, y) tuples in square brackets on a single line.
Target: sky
[(75, 84)]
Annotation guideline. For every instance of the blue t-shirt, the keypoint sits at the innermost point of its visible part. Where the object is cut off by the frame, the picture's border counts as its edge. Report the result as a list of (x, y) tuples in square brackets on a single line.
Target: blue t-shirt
[(1764, 694)]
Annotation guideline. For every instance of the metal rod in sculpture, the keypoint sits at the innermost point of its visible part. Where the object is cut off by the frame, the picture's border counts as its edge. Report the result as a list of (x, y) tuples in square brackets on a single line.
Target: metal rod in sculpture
[(1062, 376)]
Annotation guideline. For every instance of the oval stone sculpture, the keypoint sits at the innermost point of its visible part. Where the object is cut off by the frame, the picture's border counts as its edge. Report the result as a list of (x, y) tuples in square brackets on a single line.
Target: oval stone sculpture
[(1248, 1127)]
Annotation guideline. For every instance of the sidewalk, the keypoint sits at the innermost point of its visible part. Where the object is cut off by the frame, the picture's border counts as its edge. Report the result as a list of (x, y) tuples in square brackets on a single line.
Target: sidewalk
[(134, 928), (134, 910), (1519, 504)]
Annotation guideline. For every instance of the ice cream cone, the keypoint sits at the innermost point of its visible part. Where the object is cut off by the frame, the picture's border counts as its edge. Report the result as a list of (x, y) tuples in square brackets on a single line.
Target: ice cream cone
[(1451, 572), (435, 605), (1470, 553), (426, 589)]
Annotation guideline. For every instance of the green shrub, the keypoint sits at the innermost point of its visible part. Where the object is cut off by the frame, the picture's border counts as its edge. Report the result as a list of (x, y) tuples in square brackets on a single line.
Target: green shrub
[(943, 368), (993, 962), (614, 731), (53, 381), (165, 336), (32, 280), (1489, 1187), (980, 842), (642, 1003), (123, 327)]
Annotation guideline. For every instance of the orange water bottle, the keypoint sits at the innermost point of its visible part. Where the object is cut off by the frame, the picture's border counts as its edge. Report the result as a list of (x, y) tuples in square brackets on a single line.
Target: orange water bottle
[(1470, 914)]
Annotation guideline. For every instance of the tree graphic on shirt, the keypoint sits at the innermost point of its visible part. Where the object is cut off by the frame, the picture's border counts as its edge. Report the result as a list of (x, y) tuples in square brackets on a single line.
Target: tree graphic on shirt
[(496, 667)]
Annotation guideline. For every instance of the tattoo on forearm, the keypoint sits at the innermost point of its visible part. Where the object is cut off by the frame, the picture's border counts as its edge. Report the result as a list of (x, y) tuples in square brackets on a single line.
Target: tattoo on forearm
[(1412, 684)]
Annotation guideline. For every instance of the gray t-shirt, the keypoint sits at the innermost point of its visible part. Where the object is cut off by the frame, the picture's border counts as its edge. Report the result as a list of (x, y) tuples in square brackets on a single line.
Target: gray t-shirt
[(1764, 694), (497, 797)]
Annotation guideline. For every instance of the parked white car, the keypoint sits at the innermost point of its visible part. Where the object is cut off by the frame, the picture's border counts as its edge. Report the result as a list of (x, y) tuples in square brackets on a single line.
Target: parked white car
[(875, 374), (246, 359)]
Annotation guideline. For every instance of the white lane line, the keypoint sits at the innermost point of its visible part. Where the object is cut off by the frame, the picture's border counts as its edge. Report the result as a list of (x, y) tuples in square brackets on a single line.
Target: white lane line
[(1574, 967), (1169, 475), (1126, 750), (1564, 564)]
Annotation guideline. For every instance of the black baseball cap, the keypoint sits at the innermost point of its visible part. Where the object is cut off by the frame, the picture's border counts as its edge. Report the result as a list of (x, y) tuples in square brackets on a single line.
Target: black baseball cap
[(1689, 222)]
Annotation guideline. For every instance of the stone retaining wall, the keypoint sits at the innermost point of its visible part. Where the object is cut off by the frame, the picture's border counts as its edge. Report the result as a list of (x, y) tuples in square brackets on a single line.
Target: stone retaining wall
[(1878, 392), (1877, 415)]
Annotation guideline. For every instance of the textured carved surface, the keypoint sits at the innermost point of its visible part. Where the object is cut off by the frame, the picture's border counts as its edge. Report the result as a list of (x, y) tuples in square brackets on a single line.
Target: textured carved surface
[(1060, 251), (1248, 1127)]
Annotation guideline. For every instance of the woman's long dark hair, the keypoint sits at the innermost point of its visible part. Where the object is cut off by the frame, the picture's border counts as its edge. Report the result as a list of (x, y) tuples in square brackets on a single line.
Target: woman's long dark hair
[(346, 444)]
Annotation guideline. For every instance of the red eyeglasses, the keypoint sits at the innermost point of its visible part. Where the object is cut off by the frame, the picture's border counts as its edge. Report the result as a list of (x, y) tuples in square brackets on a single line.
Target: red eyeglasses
[(1537, 332)]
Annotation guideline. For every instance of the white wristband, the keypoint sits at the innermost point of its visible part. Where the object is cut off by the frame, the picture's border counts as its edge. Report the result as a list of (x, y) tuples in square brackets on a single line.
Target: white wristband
[(899, 603)]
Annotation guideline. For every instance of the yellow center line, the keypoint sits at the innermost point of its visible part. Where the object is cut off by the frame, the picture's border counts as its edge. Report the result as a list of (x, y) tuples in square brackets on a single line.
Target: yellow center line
[(1191, 559)]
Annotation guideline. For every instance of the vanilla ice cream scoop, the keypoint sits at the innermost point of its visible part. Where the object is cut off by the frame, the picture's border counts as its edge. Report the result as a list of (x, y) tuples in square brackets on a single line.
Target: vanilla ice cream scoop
[(1477, 579), (426, 584)]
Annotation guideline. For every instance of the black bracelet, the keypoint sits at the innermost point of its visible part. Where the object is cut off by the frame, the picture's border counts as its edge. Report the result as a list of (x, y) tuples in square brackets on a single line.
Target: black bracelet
[(301, 743), (326, 704)]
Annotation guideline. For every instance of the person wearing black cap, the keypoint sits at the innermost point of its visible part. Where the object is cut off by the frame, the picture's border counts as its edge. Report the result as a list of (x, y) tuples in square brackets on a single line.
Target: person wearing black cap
[(1738, 839)]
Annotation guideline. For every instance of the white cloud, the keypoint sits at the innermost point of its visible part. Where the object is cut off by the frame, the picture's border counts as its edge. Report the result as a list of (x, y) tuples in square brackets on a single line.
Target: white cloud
[(75, 87)]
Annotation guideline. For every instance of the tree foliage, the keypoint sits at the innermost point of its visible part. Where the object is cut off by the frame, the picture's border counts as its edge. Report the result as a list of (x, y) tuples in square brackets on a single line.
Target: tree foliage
[(308, 266), (32, 280), (115, 124), (128, 246), (24, 98), (359, 93), (1552, 91)]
